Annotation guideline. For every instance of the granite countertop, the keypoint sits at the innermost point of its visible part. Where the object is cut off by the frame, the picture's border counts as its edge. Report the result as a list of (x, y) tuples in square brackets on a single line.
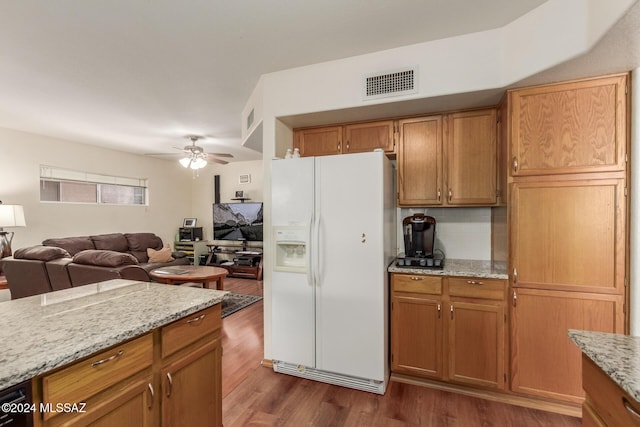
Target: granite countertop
[(43, 332), (459, 267), (617, 355)]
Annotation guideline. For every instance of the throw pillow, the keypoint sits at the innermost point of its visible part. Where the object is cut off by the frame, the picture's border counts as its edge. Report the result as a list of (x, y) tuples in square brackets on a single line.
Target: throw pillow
[(41, 253), (104, 258), (163, 255)]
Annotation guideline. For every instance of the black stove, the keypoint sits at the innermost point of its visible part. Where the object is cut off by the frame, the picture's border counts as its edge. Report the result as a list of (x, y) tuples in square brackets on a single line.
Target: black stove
[(431, 263)]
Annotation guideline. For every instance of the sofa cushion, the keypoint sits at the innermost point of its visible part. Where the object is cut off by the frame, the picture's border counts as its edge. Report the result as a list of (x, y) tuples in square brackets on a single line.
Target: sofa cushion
[(73, 245), (140, 242), (104, 258), (40, 253), (163, 255), (111, 242)]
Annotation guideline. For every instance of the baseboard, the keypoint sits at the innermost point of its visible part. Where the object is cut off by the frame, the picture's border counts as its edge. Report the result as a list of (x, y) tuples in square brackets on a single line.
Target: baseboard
[(570, 409), (267, 363)]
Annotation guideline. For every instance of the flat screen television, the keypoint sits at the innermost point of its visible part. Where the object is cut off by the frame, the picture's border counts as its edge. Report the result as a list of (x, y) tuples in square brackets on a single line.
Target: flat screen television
[(237, 221)]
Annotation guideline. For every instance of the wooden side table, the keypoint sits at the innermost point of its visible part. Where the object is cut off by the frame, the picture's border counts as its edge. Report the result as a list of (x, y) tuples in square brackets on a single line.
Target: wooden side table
[(3, 283)]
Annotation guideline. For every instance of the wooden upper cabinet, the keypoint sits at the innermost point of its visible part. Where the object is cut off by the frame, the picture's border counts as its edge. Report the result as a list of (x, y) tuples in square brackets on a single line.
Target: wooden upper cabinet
[(318, 141), (572, 127), (420, 161), (569, 235), (346, 139), (364, 137), (471, 154)]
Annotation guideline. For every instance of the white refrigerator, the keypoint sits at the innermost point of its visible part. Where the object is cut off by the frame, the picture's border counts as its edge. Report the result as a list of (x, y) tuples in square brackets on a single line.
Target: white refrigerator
[(333, 221)]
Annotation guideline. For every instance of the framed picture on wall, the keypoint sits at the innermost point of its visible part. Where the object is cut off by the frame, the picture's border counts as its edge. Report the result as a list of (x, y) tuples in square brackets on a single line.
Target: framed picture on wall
[(189, 222)]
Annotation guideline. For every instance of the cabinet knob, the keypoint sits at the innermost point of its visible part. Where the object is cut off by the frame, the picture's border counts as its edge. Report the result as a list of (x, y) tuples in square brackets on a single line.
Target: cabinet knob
[(450, 195), (439, 194), (417, 278), (515, 164), (475, 282)]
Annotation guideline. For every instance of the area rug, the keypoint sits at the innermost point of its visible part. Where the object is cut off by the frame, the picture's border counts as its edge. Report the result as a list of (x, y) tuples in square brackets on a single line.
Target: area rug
[(236, 302)]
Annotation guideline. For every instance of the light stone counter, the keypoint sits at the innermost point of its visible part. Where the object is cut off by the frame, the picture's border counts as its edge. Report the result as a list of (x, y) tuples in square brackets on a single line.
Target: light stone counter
[(459, 268), (44, 332), (617, 355)]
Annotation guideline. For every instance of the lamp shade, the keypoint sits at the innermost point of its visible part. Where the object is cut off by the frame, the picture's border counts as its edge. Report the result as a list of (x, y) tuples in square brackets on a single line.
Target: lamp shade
[(12, 216)]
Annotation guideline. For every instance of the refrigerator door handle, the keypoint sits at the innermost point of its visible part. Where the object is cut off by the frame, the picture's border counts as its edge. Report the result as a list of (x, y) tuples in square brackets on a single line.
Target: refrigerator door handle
[(310, 277), (316, 249)]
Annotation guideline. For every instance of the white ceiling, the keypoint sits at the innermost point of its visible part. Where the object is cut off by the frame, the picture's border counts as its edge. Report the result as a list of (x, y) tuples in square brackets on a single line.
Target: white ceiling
[(140, 75)]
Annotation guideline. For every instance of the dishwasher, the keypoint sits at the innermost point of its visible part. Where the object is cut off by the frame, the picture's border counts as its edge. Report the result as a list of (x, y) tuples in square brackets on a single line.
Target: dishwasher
[(19, 402)]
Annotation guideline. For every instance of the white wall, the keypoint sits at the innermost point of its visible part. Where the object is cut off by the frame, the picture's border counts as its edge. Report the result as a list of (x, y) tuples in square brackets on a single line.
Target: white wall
[(21, 155), (203, 189), (461, 233)]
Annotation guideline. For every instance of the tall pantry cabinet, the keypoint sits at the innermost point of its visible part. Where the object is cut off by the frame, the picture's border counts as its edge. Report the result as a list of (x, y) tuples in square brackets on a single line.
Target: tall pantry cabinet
[(567, 219)]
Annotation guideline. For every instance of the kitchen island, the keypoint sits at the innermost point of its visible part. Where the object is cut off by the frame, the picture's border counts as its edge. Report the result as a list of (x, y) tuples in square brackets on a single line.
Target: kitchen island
[(610, 378), (150, 342)]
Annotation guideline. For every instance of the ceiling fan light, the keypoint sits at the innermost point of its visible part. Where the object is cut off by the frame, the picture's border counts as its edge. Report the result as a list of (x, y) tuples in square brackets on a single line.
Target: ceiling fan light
[(185, 162), (198, 163)]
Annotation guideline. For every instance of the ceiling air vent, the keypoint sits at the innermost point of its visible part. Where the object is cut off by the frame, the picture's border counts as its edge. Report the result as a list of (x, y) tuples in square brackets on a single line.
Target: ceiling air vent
[(391, 83)]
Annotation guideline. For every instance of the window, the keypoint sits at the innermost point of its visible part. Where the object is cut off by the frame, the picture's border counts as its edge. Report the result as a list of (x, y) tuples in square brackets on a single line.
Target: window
[(68, 186)]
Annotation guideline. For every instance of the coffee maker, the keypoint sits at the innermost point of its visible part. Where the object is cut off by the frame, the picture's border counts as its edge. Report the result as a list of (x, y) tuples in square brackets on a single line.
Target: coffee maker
[(419, 232)]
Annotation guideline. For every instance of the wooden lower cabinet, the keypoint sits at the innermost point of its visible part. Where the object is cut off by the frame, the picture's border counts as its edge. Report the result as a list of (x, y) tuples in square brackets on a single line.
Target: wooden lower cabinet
[(476, 344), (416, 336), (544, 361), (176, 367), (456, 335), (190, 398), (606, 403)]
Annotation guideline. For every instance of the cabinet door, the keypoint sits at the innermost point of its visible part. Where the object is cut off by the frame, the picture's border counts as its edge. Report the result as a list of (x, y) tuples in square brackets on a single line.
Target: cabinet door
[(192, 388), (132, 406), (545, 362), (569, 235), (416, 336), (363, 137), (318, 141), (471, 158), (569, 128), (477, 344), (420, 161)]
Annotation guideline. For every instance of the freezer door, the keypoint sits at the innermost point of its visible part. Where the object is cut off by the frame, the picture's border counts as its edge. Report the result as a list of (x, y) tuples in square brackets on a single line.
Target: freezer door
[(350, 292), (292, 293)]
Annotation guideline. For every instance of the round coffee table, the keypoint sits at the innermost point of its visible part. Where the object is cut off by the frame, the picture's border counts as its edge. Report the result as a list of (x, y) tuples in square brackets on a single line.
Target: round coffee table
[(179, 274)]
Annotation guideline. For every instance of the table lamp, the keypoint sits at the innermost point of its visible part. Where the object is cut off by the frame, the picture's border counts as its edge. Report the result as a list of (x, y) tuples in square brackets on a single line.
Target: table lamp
[(10, 216)]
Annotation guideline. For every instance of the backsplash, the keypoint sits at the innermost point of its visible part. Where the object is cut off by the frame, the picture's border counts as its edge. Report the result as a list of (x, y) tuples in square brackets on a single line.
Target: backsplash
[(461, 233)]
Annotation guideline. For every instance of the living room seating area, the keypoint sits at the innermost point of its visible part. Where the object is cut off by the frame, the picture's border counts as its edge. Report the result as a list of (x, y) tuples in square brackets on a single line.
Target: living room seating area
[(61, 263)]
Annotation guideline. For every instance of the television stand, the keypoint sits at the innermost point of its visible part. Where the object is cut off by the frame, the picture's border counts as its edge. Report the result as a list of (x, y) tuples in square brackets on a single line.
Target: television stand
[(239, 260)]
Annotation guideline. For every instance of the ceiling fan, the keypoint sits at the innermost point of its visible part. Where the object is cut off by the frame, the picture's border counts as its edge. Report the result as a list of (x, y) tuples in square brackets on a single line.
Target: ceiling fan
[(195, 157)]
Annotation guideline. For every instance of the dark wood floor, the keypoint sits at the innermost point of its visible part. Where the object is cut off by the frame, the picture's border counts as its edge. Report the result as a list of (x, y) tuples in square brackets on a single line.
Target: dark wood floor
[(254, 395)]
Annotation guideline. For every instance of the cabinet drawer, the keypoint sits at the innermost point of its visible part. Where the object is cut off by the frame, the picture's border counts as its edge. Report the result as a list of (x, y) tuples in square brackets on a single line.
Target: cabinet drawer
[(473, 287), (185, 331), (417, 283), (611, 403), (83, 379)]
